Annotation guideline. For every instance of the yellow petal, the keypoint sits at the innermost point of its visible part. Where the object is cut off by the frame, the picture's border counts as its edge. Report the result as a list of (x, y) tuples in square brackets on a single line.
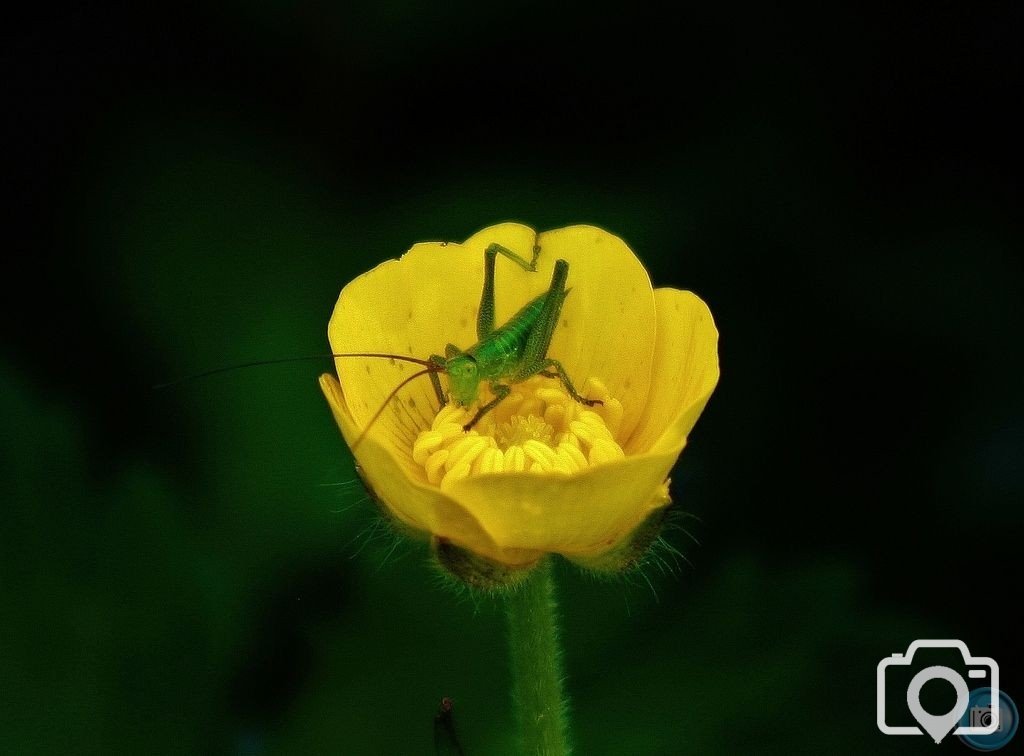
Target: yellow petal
[(607, 326), (578, 515), (685, 373), (419, 505)]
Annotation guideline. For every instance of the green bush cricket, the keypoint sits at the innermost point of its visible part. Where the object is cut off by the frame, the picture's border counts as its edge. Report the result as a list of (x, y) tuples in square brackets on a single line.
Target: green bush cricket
[(502, 356)]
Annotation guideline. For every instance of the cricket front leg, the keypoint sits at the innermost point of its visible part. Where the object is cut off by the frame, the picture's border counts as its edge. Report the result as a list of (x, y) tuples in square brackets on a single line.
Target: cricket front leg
[(440, 362), (500, 391), (560, 374)]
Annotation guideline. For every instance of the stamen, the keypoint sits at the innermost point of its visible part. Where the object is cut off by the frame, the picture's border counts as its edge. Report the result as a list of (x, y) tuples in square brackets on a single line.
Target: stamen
[(518, 429), (539, 429)]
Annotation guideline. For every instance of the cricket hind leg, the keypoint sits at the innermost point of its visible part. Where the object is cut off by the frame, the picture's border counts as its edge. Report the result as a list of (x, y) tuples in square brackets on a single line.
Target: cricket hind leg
[(494, 250), (539, 337), (560, 374), (500, 391), (485, 318)]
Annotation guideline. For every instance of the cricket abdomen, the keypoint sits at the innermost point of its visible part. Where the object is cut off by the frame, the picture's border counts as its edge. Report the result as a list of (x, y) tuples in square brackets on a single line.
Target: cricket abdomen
[(501, 353)]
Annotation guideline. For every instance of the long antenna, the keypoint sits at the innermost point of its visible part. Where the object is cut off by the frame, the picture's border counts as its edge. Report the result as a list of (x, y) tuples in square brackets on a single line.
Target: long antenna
[(257, 363), (387, 400)]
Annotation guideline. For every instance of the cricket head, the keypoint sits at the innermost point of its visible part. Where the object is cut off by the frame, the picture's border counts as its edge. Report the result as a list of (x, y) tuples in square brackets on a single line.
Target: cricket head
[(463, 379)]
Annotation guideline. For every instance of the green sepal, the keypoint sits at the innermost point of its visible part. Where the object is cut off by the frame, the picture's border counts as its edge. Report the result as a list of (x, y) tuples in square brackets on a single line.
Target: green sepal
[(474, 571)]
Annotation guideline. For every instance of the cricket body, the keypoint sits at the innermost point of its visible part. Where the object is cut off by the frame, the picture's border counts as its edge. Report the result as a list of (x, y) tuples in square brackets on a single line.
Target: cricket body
[(511, 353), (503, 356)]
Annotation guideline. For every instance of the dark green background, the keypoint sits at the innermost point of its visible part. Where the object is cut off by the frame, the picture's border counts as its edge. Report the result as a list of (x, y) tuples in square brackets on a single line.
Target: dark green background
[(192, 571)]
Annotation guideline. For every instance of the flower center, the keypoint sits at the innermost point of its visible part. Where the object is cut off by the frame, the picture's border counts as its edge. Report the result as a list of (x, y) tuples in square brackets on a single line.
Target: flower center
[(538, 428), (518, 430)]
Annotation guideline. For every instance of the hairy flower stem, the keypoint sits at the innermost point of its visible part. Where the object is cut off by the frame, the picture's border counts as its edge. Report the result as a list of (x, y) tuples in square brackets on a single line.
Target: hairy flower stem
[(537, 692)]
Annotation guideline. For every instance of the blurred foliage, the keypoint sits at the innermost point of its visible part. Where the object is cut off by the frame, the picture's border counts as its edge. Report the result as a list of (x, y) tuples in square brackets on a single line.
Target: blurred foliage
[(196, 570)]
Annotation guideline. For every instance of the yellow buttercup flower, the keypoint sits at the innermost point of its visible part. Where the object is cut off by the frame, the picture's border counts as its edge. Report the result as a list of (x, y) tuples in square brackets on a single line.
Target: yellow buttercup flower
[(541, 473)]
